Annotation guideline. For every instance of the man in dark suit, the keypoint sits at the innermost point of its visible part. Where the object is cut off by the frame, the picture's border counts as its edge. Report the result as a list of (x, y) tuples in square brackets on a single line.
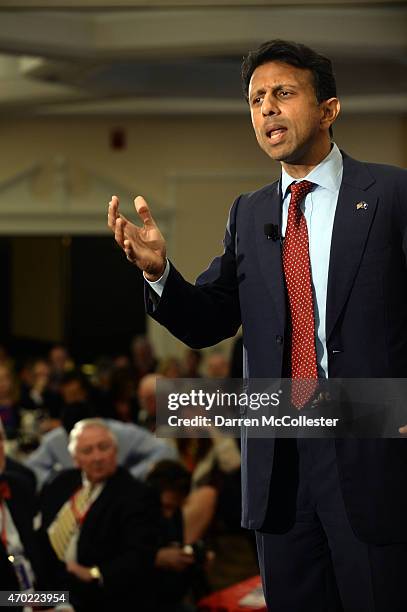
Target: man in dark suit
[(99, 527), (314, 269)]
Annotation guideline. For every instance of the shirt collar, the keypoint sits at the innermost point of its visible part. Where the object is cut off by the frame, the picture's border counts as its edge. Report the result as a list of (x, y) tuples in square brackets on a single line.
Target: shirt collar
[(92, 487), (328, 173)]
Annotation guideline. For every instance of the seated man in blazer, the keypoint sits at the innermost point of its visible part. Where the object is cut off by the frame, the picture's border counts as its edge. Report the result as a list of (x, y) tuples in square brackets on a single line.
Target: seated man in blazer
[(99, 527), (314, 269)]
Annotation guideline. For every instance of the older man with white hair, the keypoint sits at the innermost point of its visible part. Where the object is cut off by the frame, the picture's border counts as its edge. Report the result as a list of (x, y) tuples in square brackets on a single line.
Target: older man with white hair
[(99, 526)]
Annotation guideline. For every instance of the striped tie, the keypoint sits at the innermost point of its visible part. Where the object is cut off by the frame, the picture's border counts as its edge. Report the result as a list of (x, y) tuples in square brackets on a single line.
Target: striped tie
[(66, 523)]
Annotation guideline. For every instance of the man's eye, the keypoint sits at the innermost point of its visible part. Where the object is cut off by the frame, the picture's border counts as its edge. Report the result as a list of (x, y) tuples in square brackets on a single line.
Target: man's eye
[(104, 446), (256, 101), (284, 94)]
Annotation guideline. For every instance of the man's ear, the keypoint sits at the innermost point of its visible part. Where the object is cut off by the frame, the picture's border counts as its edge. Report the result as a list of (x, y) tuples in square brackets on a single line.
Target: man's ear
[(330, 110)]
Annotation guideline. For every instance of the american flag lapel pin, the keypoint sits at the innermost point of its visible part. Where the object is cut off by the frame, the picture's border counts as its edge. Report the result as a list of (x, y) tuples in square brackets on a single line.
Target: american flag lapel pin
[(361, 205)]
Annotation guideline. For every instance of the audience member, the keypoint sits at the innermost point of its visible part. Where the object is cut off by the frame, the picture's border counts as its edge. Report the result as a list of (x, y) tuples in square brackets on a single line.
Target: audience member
[(192, 363), (121, 361), (170, 367), (74, 388), (146, 394), (38, 398), (99, 527), (8, 465), (180, 568), (5, 358), (10, 409), (123, 396), (19, 559), (60, 363), (143, 358), (217, 366), (102, 378)]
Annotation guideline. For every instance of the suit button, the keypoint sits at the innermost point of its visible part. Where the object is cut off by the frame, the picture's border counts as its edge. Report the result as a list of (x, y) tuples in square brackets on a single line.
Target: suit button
[(279, 339)]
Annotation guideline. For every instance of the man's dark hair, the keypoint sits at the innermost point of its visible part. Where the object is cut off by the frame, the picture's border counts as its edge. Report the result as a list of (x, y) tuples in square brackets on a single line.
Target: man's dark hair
[(168, 475), (75, 376), (297, 55)]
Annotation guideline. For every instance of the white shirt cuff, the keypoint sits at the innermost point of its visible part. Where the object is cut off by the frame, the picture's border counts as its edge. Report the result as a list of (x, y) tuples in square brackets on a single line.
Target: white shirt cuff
[(158, 285)]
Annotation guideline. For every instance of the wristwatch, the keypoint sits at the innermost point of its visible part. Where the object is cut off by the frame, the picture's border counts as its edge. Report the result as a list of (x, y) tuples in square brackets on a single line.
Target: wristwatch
[(95, 573)]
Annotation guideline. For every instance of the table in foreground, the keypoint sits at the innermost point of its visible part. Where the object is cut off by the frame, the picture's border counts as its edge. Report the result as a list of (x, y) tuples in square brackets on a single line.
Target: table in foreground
[(246, 596)]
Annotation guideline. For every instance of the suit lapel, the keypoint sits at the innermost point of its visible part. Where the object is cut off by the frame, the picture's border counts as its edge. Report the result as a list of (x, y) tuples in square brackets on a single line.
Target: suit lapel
[(268, 211), (350, 232), (99, 508)]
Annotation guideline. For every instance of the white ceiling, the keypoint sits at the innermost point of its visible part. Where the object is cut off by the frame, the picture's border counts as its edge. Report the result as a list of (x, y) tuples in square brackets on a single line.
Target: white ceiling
[(94, 57)]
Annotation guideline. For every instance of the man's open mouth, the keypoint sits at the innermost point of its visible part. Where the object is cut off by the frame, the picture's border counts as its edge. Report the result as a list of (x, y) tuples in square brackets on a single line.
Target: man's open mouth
[(275, 133)]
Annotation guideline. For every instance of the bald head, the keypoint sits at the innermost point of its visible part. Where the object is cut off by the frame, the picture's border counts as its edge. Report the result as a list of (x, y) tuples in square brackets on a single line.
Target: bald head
[(146, 392)]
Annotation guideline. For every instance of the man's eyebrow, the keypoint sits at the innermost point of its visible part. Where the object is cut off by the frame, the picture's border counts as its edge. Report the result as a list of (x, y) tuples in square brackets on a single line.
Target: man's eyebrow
[(284, 86), (276, 88), (258, 91)]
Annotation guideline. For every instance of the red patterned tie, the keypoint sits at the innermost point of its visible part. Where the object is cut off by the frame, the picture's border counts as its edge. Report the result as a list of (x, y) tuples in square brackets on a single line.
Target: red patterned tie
[(297, 272)]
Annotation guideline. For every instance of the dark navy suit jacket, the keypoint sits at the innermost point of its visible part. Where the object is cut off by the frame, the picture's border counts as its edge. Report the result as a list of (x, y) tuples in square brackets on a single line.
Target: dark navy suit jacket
[(366, 331)]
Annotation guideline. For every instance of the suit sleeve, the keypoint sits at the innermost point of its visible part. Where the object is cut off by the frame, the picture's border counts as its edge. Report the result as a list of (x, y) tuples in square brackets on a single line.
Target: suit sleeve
[(203, 314)]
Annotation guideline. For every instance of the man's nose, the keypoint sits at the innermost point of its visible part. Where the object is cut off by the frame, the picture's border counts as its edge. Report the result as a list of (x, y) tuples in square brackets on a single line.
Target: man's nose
[(269, 105), (97, 455)]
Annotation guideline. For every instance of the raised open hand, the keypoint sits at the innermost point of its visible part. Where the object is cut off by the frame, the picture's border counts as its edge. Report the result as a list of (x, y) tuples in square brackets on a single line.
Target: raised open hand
[(144, 246)]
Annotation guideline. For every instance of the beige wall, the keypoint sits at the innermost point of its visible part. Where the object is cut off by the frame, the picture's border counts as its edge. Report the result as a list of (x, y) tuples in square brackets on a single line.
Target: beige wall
[(193, 166)]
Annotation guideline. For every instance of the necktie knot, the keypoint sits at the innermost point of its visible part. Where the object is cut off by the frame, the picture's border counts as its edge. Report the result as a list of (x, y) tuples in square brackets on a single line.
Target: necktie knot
[(300, 190)]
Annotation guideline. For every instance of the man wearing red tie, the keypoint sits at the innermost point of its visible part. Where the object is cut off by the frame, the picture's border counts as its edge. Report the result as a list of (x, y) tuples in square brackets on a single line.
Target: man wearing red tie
[(314, 269)]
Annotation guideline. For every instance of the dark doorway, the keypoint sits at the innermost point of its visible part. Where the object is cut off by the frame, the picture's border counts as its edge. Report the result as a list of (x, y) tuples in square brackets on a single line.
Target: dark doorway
[(78, 290), (106, 301)]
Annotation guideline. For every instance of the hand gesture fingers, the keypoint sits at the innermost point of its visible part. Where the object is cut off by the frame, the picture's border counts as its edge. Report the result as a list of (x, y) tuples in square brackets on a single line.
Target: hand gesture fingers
[(113, 212), (144, 246)]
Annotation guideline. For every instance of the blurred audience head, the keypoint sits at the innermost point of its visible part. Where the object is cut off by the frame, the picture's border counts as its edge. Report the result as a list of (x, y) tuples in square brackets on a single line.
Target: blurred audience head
[(41, 372), (172, 481), (170, 367), (217, 366), (144, 359), (59, 359), (9, 391), (5, 358), (103, 375), (74, 387), (75, 392), (146, 393), (192, 362), (121, 362), (123, 393), (93, 447)]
